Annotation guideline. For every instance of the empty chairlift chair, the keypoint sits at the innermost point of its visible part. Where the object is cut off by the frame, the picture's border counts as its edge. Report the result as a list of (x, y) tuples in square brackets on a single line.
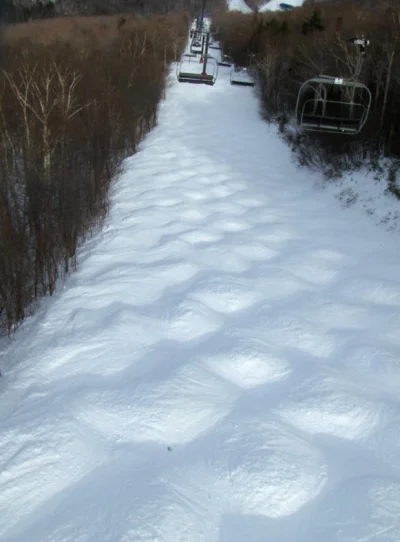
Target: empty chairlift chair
[(214, 43), (193, 29), (225, 60), (196, 45), (331, 104), (206, 24), (195, 69), (241, 75)]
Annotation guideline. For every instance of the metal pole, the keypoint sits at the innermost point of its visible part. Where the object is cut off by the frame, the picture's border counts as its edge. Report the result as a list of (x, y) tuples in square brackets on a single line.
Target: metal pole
[(202, 15), (203, 45), (206, 54), (356, 77)]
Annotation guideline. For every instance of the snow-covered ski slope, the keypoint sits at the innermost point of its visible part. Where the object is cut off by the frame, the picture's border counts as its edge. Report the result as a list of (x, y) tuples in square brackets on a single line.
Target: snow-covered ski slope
[(224, 365), (272, 5), (238, 5)]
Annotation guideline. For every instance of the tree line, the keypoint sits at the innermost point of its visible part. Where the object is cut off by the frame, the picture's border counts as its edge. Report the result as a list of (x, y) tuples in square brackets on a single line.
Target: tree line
[(288, 48), (17, 11), (77, 95)]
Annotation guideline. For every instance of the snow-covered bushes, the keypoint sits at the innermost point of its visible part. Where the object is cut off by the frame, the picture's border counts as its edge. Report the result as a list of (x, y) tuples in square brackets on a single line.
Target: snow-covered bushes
[(76, 96)]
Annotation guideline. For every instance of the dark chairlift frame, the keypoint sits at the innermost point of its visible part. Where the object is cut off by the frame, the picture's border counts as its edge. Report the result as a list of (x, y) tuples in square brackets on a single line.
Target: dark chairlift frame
[(202, 34), (321, 114), (214, 43), (197, 43), (226, 61), (199, 78)]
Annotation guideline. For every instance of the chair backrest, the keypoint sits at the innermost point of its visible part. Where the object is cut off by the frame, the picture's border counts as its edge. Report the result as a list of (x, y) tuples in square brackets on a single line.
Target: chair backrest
[(326, 103), (333, 116)]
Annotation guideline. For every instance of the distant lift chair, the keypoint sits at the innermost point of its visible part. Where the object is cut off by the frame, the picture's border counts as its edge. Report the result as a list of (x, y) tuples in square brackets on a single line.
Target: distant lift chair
[(334, 105), (195, 69), (225, 60), (196, 45), (214, 43), (240, 75)]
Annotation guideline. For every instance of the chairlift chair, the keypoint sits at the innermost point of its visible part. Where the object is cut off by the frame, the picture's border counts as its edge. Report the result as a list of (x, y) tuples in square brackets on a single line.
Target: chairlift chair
[(240, 75), (196, 45), (334, 105), (214, 43), (195, 69), (193, 29), (206, 24), (225, 60), (215, 55)]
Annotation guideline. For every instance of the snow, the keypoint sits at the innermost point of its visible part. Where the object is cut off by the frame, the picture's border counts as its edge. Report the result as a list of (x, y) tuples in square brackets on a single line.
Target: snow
[(238, 5), (223, 366), (269, 5), (367, 191)]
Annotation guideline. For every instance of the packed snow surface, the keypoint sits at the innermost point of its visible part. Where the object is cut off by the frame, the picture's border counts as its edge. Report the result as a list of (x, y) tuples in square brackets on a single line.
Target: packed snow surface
[(238, 5), (224, 366), (271, 5)]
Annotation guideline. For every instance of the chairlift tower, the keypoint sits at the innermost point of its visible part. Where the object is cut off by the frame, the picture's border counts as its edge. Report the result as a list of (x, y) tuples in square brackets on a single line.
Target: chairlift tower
[(201, 20)]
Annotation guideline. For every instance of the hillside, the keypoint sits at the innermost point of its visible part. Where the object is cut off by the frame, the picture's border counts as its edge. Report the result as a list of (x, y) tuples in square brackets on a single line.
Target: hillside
[(224, 362), (24, 10), (215, 354)]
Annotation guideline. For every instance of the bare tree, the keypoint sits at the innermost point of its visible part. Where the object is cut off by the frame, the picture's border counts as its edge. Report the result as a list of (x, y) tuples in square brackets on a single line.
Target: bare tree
[(69, 113)]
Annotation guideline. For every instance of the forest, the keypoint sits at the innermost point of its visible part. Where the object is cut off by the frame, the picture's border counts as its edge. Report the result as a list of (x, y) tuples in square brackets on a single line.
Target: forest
[(17, 11), (80, 88), (287, 48), (77, 95)]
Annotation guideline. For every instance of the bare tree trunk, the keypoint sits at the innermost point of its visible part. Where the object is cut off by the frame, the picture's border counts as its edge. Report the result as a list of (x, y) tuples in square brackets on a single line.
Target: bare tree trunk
[(387, 86)]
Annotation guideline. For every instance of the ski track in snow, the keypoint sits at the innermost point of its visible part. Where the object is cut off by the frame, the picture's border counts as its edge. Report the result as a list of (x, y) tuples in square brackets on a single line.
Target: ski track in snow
[(223, 366)]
